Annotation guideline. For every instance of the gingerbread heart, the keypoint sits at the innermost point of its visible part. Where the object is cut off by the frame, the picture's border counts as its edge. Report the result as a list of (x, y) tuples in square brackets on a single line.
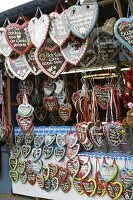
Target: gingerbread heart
[(59, 153), (53, 170), (5, 49), (38, 141), (74, 50), (73, 167), (82, 18), (31, 178), (97, 135), (14, 176), (50, 60), (88, 146), (55, 183), (73, 151), (23, 177), (60, 97), (16, 151), (25, 123), (61, 140), (89, 186), (37, 166), (45, 172), (114, 190), (29, 139), (59, 31), (26, 87), (47, 186), (65, 112), (108, 172), (49, 138), (19, 139), (126, 177), (40, 113), (48, 87), (21, 167), (13, 162), (71, 139), (85, 169), (47, 151), (77, 185), (38, 29), (62, 174), (21, 42), (40, 181), (50, 103), (65, 185), (127, 194), (82, 131), (26, 149), (36, 154), (28, 166), (100, 184)]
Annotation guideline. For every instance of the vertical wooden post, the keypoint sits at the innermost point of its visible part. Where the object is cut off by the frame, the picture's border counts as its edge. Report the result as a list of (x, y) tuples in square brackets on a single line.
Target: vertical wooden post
[(119, 8), (131, 6), (37, 198)]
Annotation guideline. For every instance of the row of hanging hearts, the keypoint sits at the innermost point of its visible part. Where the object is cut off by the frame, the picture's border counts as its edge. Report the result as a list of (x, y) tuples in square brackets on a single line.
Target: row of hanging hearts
[(79, 170), (50, 60)]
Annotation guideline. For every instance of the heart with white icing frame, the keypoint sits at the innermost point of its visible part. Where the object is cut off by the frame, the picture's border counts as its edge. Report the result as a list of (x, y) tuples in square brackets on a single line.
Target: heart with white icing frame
[(59, 153), (73, 151), (73, 167)]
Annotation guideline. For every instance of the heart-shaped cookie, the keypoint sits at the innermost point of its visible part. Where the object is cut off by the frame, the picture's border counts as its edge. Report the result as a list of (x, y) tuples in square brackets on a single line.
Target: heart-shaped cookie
[(59, 153), (123, 32), (21, 42), (59, 30), (25, 123), (23, 177), (60, 97), (59, 86), (18, 67), (45, 172), (82, 18), (13, 162), (38, 29), (55, 183), (48, 87), (29, 58), (114, 190), (26, 87), (71, 139), (25, 109), (31, 178), (88, 146), (97, 135), (53, 170), (40, 113), (5, 49), (47, 186), (36, 154), (29, 139), (38, 141), (14, 176), (40, 181), (28, 166), (102, 95), (85, 169), (89, 58), (61, 140), (108, 172), (37, 166), (50, 60), (16, 151), (126, 177), (74, 50), (81, 132), (89, 186), (77, 185), (65, 112), (115, 133), (50, 103), (21, 167), (25, 151), (49, 138), (73, 151), (100, 184), (62, 174), (127, 194), (47, 151), (19, 139), (65, 185), (73, 167)]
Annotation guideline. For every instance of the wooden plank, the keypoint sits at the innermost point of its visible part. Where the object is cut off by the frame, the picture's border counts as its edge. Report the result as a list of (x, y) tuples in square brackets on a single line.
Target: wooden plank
[(105, 2), (119, 8)]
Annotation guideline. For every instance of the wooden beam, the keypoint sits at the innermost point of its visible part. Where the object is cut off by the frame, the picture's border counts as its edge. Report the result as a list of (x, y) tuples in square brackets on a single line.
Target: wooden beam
[(119, 8), (105, 2), (131, 6)]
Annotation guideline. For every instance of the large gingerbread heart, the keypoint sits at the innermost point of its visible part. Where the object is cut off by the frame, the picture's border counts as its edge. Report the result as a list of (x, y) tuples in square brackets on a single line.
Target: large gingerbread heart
[(73, 167), (89, 186), (123, 31), (108, 172), (126, 177), (18, 67), (59, 30), (74, 50), (5, 49), (50, 103), (18, 37), (38, 29), (50, 60), (115, 133), (82, 19), (102, 95), (97, 135), (114, 190)]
